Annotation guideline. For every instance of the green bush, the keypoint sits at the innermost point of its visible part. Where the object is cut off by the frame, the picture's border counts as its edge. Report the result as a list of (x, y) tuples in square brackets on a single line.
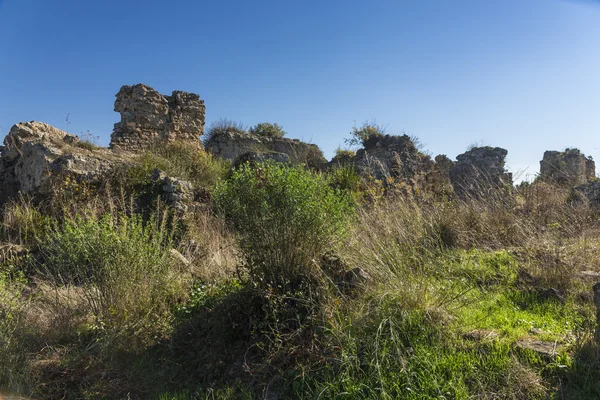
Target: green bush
[(124, 267), (182, 161), (345, 178), (343, 156), (268, 129), (285, 216)]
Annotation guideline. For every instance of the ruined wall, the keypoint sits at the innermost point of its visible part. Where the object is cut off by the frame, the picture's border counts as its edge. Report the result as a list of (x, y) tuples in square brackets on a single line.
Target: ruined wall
[(231, 145), (148, 117), (569, 168), (480, 171), (391, 156)]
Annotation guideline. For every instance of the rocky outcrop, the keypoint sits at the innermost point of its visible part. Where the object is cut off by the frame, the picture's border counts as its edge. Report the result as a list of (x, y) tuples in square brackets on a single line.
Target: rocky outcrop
[(568, 168), (437, 179), (175, 192), (391, 156), (588, 192), (480, 171), (231, 145), (36, 155), (148, 117)]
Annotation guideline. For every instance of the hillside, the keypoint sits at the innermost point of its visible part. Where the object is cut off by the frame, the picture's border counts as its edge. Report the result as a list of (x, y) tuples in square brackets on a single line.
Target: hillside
[(247, 266)]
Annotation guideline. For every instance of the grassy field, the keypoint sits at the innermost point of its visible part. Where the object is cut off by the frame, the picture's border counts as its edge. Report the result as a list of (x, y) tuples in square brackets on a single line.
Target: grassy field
[(285, 283)]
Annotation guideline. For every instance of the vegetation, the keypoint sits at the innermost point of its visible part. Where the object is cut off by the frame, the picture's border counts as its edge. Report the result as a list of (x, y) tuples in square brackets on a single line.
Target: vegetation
[(290, 283), (221, 126), (268, 129), (365, 134)]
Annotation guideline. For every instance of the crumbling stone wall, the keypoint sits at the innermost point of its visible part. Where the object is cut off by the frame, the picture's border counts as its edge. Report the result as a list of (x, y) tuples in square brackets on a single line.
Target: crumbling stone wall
[(391, 156), (569, 168), (231, 145), (480, 171), (148, 117)]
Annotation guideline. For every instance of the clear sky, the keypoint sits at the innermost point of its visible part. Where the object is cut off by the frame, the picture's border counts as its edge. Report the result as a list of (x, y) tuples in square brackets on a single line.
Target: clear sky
[(520, 74)]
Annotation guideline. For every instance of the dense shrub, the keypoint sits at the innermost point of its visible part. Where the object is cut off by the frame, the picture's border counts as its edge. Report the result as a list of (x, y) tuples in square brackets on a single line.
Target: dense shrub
[(123, 266), (221, 126), (268, 129), (182, 161), (285, 216), (345, 178)]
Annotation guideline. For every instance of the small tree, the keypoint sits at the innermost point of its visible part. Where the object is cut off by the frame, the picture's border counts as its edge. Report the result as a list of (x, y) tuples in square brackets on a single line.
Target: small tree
[(285, 216), (268, 129)]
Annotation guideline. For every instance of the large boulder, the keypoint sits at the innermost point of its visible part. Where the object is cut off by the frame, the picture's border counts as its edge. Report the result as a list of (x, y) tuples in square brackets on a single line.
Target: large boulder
[(568, 168), (36, 155), (148, 117), (231, 145), (480, 172)]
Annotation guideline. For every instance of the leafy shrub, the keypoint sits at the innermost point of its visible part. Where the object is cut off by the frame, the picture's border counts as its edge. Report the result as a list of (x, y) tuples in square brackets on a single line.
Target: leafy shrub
[(268, 129), (345, 178), (343, 156), (285, 218), (124, 267)]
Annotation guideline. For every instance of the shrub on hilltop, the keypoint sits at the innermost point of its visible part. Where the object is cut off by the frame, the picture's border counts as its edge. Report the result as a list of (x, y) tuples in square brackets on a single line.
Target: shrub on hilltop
[(268, 129)]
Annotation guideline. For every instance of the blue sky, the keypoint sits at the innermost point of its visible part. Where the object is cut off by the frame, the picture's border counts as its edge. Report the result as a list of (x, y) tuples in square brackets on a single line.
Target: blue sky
[(520, 74)]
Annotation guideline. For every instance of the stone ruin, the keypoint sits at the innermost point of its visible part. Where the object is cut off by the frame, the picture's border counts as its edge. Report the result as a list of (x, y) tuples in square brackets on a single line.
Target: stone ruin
[(35, 154), (567, 168), (235, 146), (480, 171), (391, 156), (148, 117)]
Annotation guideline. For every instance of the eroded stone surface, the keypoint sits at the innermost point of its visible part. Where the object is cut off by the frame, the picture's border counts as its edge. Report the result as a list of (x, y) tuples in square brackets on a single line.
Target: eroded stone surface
[(35, 155), (544, 348), (148, 117), (480, 171), (391, 156), (568, 168), (230, 145)]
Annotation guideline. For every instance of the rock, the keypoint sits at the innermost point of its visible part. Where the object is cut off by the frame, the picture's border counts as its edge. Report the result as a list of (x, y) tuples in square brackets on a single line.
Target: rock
[(355, 278), (391, 156), (36, 156), (588, 192), (177, 256), (536, 331), (568, 168), (544, 348), (148, 117), (481, 334), (589, 275), (230, 145), (552, 294), (254, 157), (175, 192), (480, 172), (437, 179)]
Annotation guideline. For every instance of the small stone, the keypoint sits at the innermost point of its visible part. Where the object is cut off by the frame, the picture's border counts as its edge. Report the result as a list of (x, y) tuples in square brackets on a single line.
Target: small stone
[(481, 334), (543, 348)]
